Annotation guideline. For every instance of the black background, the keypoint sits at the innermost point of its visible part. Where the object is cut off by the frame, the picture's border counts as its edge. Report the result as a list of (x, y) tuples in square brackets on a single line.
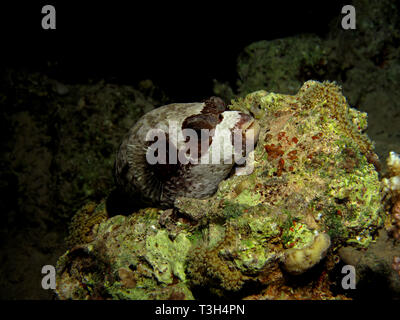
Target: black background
[(181, 46)]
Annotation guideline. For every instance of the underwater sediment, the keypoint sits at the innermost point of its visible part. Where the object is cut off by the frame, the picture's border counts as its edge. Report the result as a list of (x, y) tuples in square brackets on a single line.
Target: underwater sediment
[(314, 189)]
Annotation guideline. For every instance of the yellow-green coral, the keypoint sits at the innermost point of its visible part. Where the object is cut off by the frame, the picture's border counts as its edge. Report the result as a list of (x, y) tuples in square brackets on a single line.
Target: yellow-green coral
[(205, 265)]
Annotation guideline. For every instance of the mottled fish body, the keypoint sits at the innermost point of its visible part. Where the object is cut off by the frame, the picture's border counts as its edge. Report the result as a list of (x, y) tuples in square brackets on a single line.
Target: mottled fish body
[(163, 183)]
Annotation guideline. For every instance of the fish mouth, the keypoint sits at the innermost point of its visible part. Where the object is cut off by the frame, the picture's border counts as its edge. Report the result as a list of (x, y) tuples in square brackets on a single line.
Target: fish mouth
[(250, 128)]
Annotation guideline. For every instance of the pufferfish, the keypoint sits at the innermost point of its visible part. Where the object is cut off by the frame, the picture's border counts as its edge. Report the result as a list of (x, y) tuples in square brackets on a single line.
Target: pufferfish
[(161, 183)]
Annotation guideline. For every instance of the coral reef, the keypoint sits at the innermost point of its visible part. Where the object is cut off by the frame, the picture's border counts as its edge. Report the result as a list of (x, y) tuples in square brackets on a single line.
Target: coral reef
[(300, 58), (374, 267), (395, 228), (314, 189), (50, 152)]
